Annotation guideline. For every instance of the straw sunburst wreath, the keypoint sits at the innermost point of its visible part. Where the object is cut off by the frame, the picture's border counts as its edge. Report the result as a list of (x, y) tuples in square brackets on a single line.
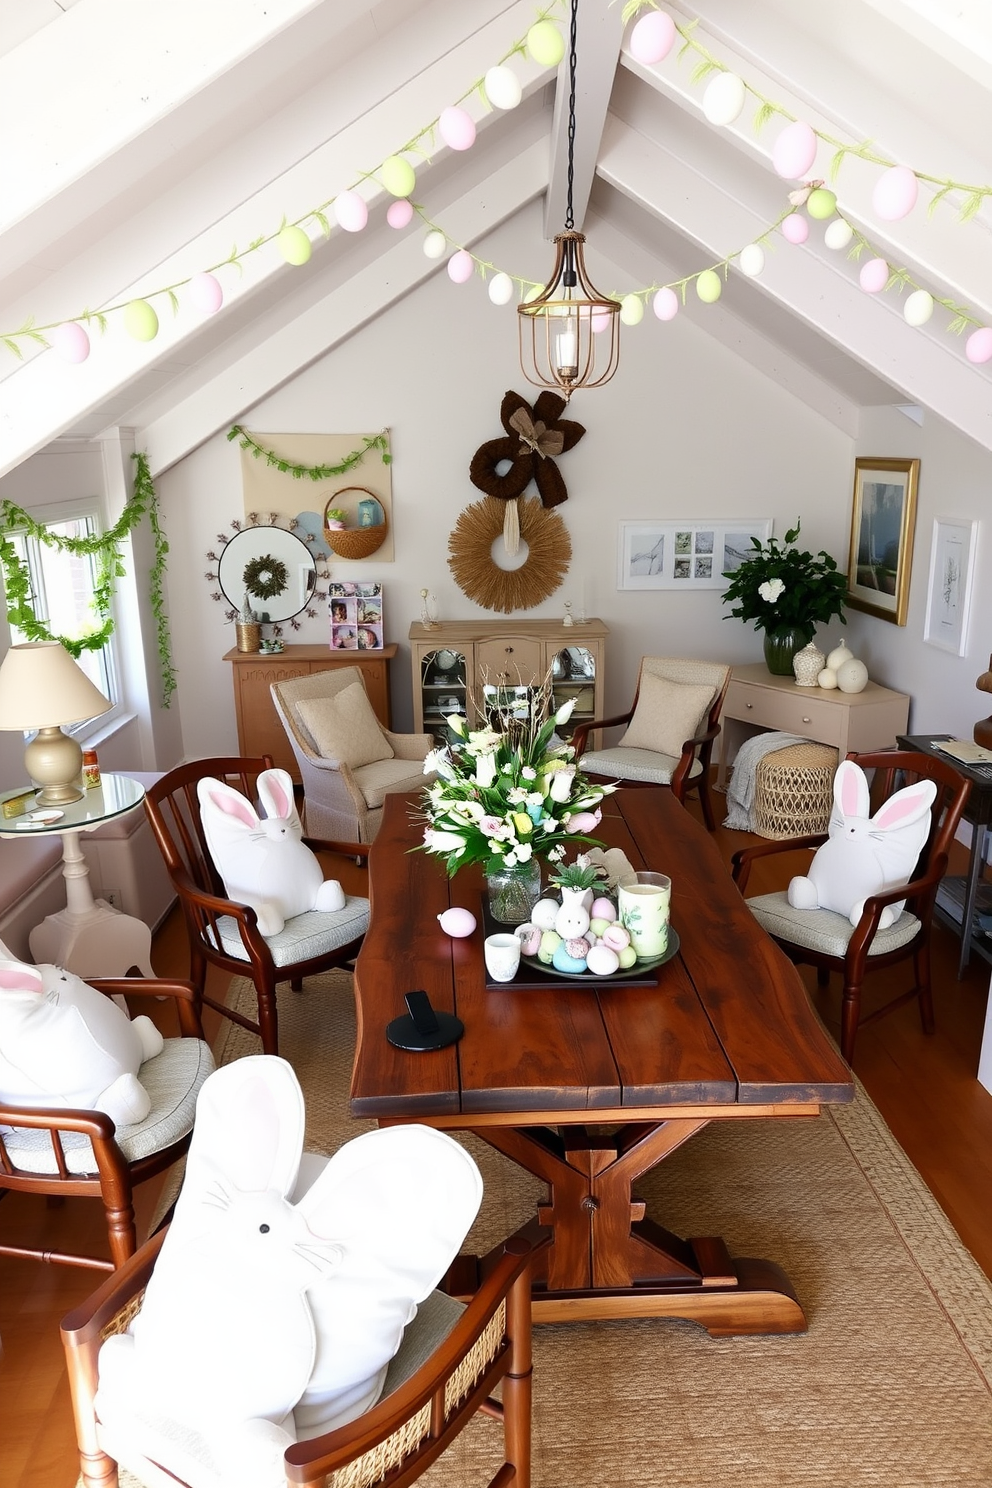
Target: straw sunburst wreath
[(471, 562)]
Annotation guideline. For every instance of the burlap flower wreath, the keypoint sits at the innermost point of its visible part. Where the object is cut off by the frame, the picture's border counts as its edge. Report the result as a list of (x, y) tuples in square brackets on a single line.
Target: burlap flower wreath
[(534, 436), (471, 563)]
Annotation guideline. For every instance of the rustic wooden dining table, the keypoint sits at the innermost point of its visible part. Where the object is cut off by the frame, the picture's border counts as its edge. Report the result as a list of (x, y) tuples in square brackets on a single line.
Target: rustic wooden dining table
[(589, 1084)]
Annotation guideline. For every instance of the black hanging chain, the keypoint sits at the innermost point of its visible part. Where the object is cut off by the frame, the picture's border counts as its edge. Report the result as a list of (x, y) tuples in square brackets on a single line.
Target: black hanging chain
[(569, 219)]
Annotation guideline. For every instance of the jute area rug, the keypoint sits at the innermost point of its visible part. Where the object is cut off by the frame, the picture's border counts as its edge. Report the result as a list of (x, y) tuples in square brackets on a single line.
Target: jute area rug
[(891, 1386)]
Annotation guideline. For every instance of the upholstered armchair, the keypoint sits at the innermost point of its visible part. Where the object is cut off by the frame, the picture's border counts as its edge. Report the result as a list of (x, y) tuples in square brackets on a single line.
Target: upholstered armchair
[(671, 728), (348, 761)]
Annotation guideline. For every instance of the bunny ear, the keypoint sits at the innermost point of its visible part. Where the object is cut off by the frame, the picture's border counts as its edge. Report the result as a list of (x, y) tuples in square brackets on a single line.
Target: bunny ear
[(249, 1128), (851, 789), (275, 791), (15, 976), (218, 797), (905, 806)]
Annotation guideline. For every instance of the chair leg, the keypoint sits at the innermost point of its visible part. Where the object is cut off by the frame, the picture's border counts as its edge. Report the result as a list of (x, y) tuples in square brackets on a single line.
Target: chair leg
[(296, 984), (517, 1384), (706, 802), (924, 986), (268, 1017), (850, 1012), (122, 1231)]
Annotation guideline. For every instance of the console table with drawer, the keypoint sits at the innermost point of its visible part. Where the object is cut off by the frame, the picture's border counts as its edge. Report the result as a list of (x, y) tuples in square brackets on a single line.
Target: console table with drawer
[(756, 699)]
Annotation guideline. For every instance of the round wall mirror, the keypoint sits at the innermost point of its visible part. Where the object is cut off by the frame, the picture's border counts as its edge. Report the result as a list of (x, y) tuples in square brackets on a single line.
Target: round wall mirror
[(273, 568)]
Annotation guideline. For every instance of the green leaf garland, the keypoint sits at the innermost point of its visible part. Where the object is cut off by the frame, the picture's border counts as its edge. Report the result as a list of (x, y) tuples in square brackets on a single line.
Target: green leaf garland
[(300, 471)]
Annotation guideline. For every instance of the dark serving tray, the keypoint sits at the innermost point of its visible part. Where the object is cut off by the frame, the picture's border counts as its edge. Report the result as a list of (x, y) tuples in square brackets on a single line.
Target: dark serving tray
[(534, 976)]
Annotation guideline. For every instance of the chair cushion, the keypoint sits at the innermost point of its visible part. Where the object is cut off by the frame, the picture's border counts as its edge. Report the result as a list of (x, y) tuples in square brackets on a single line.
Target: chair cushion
[(634, 764), (304, 936), (377, 780), (344, 727), (667, 714), (172, 1079), (823, 930)]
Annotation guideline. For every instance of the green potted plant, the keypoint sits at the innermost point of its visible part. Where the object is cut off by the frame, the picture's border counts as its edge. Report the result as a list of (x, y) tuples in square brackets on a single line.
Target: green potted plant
[(787, 593)]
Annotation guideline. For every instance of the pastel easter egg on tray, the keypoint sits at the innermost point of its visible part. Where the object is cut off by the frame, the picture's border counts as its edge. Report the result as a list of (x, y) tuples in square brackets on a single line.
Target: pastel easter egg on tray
[(601, 961)]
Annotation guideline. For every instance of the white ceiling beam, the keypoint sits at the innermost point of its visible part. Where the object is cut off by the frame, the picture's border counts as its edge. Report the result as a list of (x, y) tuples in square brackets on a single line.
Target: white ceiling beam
[(598, 34), (824, 294), (274, 359)]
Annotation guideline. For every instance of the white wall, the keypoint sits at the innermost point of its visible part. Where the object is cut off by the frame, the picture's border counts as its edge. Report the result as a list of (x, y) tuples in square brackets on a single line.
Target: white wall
[(686, 428)]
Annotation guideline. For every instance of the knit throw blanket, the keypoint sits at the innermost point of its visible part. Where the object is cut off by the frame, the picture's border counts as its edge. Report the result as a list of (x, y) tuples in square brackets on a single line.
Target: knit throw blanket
[(740, 791)]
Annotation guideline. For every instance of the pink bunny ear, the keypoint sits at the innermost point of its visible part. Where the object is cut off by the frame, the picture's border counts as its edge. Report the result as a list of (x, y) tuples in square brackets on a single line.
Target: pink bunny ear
[(233, 804), (907, 805), (851, 789), (16, 977), (275, 790)]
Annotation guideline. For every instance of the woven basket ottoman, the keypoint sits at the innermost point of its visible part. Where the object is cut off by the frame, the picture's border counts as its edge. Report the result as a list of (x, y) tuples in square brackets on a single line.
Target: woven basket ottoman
[(793, 791)]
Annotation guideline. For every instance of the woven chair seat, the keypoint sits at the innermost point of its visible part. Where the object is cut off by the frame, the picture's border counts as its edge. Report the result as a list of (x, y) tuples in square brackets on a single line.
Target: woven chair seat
[(793, 791)]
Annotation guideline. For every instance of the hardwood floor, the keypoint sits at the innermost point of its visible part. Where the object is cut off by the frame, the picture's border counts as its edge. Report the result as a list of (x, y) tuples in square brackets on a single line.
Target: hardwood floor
[(925, 1088)]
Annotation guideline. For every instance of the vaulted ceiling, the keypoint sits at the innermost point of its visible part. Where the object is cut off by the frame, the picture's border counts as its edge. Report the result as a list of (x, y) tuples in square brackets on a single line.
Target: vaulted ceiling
[(146, 141)]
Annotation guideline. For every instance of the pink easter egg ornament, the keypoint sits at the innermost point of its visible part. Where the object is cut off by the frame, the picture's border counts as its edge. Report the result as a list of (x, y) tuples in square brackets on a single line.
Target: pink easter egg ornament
[(205, 293), (653, 37), (461, 266), (456, 128), (978, 347), (600, 320), (399, 213), (795, 229), (350, 210), (70, 342), (895, 193), (874, 275), (665, 304), (794, 151)]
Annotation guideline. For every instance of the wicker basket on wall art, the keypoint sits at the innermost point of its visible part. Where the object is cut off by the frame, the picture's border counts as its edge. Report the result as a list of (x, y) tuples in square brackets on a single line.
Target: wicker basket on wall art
[(355, 542)]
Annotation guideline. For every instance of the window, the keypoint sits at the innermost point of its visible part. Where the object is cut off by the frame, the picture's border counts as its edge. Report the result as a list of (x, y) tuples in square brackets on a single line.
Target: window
[(62, 587)]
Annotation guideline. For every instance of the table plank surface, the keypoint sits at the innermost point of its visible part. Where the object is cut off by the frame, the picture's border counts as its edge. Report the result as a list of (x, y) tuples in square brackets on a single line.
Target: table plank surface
[(729, 1025)]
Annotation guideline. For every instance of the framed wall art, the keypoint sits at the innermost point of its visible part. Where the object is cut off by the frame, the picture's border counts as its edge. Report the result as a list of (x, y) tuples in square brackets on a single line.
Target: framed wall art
[(952, 568), (690, 553), (883, 518)]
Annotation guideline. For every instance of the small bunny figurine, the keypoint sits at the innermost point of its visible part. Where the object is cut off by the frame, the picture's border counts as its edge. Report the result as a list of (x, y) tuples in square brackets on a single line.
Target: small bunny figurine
[(865, 855), (264, 862), (62, 1043), (278, 1297)]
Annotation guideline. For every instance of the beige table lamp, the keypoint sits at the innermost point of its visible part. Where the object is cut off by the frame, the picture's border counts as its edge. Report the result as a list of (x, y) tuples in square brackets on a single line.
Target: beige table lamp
[(41, 687)]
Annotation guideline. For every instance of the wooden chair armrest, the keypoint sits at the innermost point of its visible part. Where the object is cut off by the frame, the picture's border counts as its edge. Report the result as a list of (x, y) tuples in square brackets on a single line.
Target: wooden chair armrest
[(87, 1321), (343, 849), (583, 730), (742, 859), (184, 993), (96, 1125)]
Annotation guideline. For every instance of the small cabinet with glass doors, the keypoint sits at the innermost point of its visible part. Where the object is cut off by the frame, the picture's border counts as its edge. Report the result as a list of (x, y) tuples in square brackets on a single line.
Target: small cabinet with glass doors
[(472, 667)]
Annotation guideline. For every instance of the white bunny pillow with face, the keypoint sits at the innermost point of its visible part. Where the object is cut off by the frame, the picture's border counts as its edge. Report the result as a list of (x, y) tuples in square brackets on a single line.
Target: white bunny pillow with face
[(64, 1044), (263, 861), (258, 1303), (865, 855)]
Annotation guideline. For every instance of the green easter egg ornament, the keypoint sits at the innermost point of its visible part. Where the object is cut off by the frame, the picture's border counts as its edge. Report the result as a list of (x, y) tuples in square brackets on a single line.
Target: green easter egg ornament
[(709, 287), (398, 176), (545, 44), (821, 203), (294, 245), (631, 309), (140, 321)]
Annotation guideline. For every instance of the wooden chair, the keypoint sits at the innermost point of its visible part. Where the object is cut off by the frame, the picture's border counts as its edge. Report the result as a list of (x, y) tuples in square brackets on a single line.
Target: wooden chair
[(66, 1153), (829, 941), (423, 1407), (224, 933), (342, 799), (687, 767)]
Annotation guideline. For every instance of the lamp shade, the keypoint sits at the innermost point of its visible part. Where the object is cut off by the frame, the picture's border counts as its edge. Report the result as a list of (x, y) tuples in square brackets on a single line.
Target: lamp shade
[(41, 687)]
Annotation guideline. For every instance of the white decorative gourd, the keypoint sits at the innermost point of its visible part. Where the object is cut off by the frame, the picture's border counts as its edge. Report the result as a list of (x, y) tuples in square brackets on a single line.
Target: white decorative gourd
[(839, 655), (852, 676)]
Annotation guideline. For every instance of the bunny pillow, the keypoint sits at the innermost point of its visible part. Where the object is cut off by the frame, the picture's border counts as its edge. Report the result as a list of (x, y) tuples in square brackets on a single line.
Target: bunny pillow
[(62, 1043), (865, 855), (264, 863), (279, 1297)]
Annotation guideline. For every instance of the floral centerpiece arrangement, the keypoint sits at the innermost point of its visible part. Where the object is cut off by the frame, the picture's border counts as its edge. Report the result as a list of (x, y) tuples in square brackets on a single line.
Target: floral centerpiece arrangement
[(786, 593), (509, 795)]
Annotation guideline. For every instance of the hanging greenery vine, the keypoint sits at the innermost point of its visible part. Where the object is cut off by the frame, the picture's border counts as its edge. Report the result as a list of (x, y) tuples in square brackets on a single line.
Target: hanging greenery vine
[(378, 442), (105, 549)]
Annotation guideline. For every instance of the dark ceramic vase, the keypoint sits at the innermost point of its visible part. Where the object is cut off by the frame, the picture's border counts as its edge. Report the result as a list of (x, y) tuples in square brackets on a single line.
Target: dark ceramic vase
[(781, 646)]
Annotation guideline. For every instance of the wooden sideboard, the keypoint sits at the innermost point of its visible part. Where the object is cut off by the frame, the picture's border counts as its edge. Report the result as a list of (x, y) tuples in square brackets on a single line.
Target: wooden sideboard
[(259, 729), (849, 720)]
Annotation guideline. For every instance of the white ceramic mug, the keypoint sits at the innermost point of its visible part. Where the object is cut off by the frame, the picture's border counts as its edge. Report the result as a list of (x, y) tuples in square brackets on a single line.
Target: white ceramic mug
[(643, 902), (502, 953)]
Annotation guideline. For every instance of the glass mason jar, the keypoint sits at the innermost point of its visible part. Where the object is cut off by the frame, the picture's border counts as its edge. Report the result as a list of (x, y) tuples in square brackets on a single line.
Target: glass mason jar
[(513, 892), (781, 645)]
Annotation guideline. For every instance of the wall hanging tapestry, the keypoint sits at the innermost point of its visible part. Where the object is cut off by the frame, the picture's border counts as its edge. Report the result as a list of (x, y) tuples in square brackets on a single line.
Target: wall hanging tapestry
[(533, 439), (470, 556), (300, 477)]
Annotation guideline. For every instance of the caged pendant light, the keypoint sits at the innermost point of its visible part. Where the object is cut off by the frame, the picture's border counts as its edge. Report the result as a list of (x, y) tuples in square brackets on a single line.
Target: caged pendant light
[(570, 333)]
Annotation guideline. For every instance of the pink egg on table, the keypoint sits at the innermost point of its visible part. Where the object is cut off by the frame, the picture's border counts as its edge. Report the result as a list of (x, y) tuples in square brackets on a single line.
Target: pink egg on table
[(653, 37), (456, 128), (978, 347), (350, 210), (70, 342), (665, 304), (400, 213), (895, 193), (874, 275), (795, 228), (457, 922), (601, 961), (461, 267), (794, 151), (205, 293), (603, 909)]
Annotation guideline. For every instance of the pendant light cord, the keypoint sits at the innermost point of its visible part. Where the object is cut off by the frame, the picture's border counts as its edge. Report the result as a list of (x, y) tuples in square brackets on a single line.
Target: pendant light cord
[(569, 218)]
